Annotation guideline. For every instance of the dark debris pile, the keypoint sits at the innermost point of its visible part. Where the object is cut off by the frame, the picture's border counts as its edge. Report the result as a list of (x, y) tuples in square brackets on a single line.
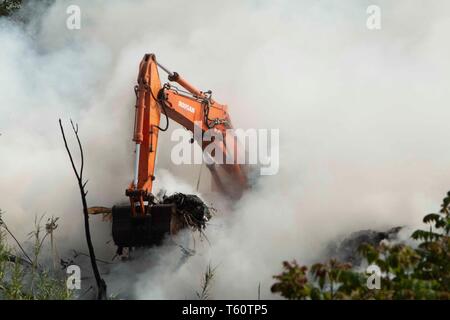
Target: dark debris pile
[(191, 210), (347, 249)]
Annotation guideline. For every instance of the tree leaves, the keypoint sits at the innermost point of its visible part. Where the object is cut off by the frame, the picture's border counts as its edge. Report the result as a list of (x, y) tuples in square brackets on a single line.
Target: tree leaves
[(7, 7), (407, 273)]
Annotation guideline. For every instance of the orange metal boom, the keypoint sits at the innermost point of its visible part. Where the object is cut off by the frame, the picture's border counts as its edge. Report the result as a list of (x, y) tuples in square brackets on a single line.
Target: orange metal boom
[(194, 108)]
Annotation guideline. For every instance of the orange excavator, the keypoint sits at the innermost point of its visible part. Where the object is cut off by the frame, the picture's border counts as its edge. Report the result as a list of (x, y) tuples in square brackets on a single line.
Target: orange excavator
[(146, 221)]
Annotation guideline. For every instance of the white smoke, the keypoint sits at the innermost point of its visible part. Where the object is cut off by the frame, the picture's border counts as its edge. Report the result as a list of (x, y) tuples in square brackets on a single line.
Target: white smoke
[(362, 117)]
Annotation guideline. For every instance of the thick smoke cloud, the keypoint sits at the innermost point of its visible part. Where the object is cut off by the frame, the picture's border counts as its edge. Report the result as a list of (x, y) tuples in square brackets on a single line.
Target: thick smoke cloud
[(362, 117)]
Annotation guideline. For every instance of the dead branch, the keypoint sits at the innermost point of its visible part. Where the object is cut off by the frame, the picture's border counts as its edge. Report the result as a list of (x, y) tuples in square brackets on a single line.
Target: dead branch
[(76, 254), (99, 210), (101, 285), (104, 211)]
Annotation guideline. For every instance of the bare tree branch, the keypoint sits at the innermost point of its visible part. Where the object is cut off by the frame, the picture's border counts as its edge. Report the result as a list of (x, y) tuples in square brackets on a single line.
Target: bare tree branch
[(101, 285), (76, 254)]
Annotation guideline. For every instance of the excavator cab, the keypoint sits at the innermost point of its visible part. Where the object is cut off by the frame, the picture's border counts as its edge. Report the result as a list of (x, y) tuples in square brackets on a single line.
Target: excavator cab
[(146, 220)]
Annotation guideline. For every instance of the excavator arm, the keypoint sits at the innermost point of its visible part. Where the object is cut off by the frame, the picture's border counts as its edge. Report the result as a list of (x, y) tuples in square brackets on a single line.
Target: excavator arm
[(192, 109)]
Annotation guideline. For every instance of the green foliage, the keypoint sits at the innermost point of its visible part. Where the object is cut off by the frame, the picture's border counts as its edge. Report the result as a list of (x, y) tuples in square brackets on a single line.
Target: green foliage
[(7, 7), (206, 283), (406, 272), (24, 278)]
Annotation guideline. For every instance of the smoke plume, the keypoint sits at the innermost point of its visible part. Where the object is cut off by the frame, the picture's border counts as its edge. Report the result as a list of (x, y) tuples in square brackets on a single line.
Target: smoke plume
[(362, 117)]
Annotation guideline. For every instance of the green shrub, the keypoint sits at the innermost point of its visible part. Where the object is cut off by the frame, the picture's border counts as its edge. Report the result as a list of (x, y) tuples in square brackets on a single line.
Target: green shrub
[(7, 7), (406, 272), (22, 276)]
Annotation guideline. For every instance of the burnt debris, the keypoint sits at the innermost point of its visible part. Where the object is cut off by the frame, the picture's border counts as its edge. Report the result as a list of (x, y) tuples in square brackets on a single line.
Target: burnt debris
[(191, 211), (347, 249)]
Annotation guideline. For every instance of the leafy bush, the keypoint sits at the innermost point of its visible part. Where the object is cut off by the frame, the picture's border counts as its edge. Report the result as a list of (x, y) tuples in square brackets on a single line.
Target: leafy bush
[(22, 276), (7, 7), (406, 272)]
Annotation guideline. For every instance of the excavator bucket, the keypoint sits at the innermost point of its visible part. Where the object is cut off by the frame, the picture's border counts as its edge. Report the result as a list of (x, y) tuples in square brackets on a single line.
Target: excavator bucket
[(170, 215), (141, 230)]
